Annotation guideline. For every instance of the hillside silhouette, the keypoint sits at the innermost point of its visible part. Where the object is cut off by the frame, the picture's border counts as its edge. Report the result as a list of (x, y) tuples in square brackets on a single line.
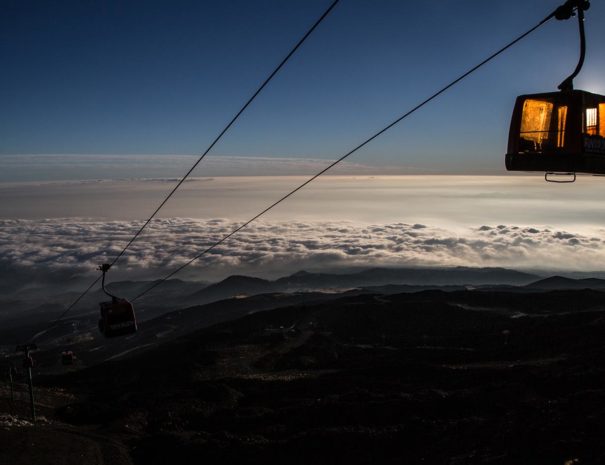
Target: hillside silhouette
[(461, 377)]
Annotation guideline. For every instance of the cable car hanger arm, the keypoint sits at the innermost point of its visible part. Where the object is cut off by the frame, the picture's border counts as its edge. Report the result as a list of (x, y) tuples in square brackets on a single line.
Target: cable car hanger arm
[(566, 11), (104, 268)]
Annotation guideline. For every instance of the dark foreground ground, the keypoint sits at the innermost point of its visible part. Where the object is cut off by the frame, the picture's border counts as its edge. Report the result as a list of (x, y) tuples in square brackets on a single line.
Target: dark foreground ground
[(429, 378)]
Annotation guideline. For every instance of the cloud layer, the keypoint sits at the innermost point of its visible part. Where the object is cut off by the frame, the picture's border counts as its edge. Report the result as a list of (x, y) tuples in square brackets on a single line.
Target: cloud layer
[(274, 248), (53, 167)]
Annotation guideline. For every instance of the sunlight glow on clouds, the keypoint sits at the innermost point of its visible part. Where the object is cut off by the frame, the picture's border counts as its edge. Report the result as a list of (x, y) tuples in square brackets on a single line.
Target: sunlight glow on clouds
[(337, 222), (273, 248)]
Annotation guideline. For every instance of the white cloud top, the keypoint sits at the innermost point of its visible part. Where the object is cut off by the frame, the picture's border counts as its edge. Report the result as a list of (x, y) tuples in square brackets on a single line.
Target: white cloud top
[(274, 248)]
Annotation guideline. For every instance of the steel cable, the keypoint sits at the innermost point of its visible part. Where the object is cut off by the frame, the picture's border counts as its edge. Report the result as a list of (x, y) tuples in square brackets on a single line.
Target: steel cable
[(203, 155), (346, 155)]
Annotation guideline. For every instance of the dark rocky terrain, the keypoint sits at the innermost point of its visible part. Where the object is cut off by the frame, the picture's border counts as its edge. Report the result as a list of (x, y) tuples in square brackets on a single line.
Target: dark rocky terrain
[(460, 377), (178, 307)]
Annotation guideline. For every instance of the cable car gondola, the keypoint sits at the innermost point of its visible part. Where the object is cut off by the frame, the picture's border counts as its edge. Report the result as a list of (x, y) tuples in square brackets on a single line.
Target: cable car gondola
[(68, 357), (559, 132), (117, 315)]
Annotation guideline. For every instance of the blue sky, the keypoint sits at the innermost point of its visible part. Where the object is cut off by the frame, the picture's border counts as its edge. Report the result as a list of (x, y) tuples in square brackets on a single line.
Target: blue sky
[(162, 77)]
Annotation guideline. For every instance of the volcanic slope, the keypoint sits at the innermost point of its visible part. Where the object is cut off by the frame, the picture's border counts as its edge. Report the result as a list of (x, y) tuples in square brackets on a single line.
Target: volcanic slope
[(462, 377)]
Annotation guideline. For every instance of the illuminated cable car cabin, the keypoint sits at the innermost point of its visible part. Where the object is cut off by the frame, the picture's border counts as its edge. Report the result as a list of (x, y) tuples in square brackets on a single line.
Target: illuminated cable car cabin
[(117, 315), (558, 132)]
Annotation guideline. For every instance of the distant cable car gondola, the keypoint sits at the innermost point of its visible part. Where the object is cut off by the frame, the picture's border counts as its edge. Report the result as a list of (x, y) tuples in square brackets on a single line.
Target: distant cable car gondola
[(117, 315), (559, 132), (68, 357)]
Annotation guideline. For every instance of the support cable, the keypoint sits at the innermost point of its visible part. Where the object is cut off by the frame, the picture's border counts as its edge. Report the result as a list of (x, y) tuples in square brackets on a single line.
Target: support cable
[(66, 311), (346, 155), (202, 156), (226, 128)]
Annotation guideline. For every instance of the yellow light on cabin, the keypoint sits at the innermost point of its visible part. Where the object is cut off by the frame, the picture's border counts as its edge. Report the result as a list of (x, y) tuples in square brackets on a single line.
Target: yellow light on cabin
[(591, 121), (561, 120), (535, 120)]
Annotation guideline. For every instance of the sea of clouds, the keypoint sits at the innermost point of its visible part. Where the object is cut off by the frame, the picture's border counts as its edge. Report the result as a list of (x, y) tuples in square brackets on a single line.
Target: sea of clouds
[(269, 249)]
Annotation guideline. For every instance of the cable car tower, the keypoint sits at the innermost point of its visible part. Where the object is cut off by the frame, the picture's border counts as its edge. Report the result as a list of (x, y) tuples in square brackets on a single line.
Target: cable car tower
[(560, 133)]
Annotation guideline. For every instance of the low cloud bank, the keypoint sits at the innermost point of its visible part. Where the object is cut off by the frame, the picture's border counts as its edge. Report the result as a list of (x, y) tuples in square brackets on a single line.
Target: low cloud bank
[(52, 167), (76, 247)]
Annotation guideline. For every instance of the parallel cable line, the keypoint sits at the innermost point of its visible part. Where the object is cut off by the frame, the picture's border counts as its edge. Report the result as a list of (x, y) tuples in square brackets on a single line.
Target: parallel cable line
[(346, 155), (203, 155), (226, 128), (66, 311)]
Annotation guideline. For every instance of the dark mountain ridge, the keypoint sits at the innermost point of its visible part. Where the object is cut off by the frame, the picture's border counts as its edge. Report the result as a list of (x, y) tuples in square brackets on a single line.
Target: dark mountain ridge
[(307, 281), (561, 282), (422, 276)]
